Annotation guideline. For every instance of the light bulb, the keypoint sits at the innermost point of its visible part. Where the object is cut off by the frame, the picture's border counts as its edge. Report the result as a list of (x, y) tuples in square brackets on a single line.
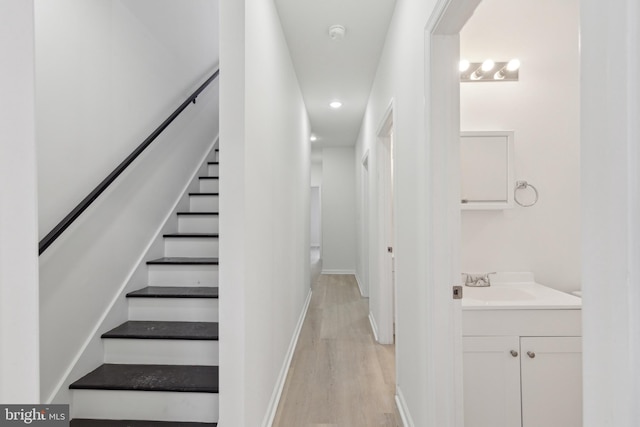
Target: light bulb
[(513, 65), (488, 65), (313, 138), (335, 104), (464, 65)]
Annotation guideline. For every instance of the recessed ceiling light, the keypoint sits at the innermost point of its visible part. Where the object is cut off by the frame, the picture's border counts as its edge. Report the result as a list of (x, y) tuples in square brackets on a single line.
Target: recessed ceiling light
[(335, 104), (313, 138)]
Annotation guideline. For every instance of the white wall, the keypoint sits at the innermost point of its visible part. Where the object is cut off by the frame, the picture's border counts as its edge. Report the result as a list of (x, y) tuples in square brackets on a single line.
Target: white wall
[(108, 73), (543, 110), (19, 328), (338, 210), (265, 162), (401, 77), (116, 68), (610, 131)]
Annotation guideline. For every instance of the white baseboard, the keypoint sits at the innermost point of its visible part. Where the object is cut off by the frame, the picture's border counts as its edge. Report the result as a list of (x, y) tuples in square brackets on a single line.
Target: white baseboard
[(407, 421), (277, 391), (352, 272), (374, 326), (359, 282)]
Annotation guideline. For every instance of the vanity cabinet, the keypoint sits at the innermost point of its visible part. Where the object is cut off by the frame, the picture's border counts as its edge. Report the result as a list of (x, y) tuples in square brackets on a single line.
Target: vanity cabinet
[(521, 381)]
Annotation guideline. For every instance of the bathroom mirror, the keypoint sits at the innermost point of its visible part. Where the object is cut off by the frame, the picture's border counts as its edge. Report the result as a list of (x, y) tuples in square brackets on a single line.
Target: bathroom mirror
[(486, 164)]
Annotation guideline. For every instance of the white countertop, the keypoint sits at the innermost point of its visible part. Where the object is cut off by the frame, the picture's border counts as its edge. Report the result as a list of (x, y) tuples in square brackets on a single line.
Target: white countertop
[(510, 291)]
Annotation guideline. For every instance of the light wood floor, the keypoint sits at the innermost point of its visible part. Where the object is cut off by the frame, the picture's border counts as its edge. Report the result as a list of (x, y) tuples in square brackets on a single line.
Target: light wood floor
[(339, 375)]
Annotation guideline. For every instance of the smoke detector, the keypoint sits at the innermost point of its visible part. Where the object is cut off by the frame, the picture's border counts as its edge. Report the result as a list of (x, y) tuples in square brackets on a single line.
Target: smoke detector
[(336, 32)]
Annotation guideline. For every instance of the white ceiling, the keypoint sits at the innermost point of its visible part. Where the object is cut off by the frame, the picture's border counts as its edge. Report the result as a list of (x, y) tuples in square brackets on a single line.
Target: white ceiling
[(335, 69)]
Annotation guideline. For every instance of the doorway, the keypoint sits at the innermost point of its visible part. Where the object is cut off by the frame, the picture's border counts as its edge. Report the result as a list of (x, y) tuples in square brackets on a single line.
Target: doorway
[(385, 250), (442, 52)]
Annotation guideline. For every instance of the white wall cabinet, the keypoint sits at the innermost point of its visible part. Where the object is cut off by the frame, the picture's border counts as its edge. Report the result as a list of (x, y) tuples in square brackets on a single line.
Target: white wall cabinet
[(514, 381), (486, 170)]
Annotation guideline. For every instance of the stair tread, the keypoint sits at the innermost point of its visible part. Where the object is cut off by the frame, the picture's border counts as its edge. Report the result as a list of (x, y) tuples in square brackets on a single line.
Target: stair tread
[(204, 194), (176, 378), (208, 177), (183, 261), (213, 163), (85, 422), (199, 213), (175, 292), (185, 235), (168, 330)]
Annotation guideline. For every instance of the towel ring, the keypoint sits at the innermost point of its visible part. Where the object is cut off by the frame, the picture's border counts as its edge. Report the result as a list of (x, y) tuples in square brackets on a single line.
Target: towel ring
[(521, 185)]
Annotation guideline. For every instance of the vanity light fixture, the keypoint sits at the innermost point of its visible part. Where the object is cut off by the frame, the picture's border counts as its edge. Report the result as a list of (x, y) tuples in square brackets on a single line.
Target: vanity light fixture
[(335, 104), (489, 71)]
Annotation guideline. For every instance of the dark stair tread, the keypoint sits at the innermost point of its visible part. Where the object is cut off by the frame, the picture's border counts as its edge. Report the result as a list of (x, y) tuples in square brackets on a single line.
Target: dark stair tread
[(84, 422), (183, 261), (213, 163), (165, 330), (177, 378), (185, 235), (204, 194), (199, 213), (175, 292), (208, 177)]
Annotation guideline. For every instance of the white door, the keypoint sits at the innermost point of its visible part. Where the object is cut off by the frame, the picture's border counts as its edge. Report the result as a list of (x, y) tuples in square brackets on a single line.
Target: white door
[(492, 381), (386, 249), (551, 381)]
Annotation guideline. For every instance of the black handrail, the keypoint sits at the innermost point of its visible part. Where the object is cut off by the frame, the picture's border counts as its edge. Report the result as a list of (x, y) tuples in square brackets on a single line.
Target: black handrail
[(86, 202)]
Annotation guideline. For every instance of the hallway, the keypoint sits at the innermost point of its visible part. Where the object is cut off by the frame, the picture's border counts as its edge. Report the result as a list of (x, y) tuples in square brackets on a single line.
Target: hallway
[(339, 375)]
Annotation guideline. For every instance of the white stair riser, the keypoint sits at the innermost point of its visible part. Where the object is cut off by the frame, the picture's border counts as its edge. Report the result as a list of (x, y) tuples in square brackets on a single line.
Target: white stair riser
[(161, 352), (214, 170), (209, 185), (145, 405), (203, 203), (198, 224), (183, 275), (191, 247), (174, 309)]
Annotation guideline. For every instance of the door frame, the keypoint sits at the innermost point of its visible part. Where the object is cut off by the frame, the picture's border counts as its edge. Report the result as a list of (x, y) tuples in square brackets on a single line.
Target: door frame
[(364, 282), (444, 392), (386, 292)]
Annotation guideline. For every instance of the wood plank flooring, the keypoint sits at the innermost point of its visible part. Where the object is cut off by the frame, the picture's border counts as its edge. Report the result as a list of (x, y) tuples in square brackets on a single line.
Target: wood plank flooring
[(339, 375)]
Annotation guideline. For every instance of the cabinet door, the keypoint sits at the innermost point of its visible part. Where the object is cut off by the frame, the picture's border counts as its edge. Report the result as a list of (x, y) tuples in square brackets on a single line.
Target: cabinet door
[(551, 381), (491, 381)]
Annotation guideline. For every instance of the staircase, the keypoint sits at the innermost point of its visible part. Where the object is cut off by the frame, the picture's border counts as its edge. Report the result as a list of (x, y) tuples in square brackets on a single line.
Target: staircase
[(161, 366)]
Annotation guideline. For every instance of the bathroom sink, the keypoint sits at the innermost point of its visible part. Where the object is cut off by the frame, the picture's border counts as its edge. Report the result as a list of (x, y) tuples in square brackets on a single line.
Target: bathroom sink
[(515, 304), (498, 293), (516, 291)]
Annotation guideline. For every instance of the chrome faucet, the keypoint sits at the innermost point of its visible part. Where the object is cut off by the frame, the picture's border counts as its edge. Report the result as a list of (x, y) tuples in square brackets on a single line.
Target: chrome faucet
[(478, 280)]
